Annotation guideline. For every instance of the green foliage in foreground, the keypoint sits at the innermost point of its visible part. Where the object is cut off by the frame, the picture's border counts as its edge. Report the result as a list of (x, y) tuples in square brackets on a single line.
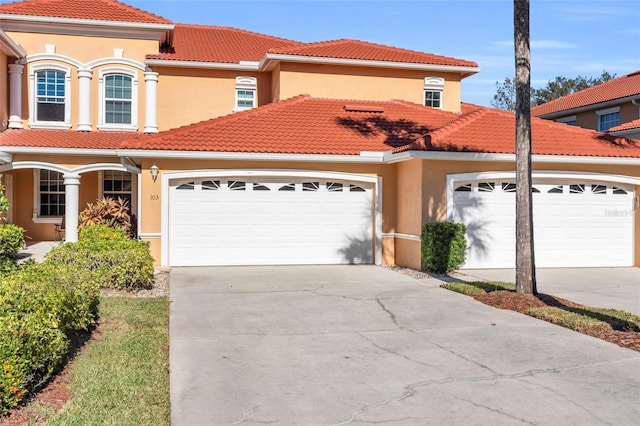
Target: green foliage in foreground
[(122, 377), (444, 246), (11, 239), (41, 306), (585, 319), (115, 260), (478, 287)]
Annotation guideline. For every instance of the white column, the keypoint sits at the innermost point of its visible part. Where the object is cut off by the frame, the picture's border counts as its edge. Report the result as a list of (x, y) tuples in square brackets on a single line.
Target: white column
[(151, 86), (15, 96), (84, 100), (71, 202)]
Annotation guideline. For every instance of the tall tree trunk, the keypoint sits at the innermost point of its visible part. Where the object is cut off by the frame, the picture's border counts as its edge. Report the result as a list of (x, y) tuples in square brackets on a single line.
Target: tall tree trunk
[(525, 262)]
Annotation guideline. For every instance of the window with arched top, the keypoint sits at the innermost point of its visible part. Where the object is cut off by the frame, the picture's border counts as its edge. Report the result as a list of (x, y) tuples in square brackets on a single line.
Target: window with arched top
[(246, 93), (433, 90), (118, 99), (50, 102)]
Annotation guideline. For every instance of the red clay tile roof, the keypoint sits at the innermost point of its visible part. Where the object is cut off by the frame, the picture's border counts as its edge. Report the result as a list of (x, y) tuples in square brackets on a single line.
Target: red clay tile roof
[(360, 50), (103, 10), (305, 125), (40, 138), (622, 87), (218, 44), (635, 124)]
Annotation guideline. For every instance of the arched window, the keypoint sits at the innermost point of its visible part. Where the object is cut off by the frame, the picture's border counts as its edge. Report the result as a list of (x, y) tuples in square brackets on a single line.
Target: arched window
[(433, 89), (118, 99), (50, 88), (246, 88)]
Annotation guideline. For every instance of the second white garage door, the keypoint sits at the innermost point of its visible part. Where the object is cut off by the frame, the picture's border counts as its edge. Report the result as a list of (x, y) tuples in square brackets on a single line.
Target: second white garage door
[(241, 221), (576, 224)]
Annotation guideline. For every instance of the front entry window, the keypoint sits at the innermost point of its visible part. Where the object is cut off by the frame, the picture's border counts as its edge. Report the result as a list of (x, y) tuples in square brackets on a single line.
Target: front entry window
[(52, 197), (116, 185)]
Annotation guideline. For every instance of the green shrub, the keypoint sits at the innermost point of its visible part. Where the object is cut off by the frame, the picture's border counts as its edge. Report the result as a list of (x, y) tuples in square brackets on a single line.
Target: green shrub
[(119, 263), (109, 212), (11, 240), (444, 246), (8, 265), (41, 305), (101, 232)]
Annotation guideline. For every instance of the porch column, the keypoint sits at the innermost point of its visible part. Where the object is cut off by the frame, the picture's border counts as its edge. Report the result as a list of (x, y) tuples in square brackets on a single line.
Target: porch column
[(151, 88), (84, 100), (72, 200), (15, 96)]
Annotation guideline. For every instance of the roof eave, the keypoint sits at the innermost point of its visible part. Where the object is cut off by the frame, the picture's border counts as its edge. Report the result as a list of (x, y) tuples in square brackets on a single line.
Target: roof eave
[(241, 66), (535, 158), (10, 47), (57, 151), (270, 59), (91, 27), (594, 106)]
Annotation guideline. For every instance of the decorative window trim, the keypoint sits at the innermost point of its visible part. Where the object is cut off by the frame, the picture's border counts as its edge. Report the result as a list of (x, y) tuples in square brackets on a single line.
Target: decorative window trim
[(37, 124), (133, 127), (36, 201), (433, 84), (246, 83), (606, 111)]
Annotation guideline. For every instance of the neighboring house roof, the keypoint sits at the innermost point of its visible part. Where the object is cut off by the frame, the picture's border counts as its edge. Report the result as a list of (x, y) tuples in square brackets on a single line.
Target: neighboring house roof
[(306, 125), (101, 10), (631, 125), (218, 44), (620, 88), (360, 50), (41, 138)]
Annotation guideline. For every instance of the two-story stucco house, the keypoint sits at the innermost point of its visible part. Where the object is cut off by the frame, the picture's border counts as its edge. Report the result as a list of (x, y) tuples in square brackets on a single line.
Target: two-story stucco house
[(241, 148)]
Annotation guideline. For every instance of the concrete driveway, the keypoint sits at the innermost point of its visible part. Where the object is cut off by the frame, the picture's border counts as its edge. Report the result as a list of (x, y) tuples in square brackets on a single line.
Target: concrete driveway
[(617, 288), (335, 345)]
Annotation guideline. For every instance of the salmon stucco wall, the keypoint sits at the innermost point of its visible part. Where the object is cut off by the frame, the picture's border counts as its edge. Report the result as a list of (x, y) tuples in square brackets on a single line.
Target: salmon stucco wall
[(589, 119), (349, 82), (409, 198), (188, 96), (4, 92)]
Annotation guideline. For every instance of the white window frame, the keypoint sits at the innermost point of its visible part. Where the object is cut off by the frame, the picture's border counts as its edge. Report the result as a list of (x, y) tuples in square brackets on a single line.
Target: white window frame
[(34, 123), (433, 84), (133, 207), (602, 112), (246, 83), (567, 120), (36, 199), (133, 127)]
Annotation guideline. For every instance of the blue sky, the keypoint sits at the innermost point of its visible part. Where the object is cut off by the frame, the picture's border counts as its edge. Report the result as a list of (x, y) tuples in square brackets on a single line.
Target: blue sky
[(569, 37)]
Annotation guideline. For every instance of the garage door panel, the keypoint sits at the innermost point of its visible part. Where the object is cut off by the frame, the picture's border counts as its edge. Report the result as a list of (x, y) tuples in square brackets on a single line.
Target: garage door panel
[(571, 228), (314, 221)]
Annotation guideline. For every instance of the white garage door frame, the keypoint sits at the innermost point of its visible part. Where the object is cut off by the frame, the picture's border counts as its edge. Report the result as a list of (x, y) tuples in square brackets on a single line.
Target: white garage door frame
[(540, 176), (167, 177)]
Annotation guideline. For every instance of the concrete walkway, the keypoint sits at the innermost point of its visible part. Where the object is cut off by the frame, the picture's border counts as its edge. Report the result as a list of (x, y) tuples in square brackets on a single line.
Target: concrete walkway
[(617, 288), (36, 250), (337, 345)]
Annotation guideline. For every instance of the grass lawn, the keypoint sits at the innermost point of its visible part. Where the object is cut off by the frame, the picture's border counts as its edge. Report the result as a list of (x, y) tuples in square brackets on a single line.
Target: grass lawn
[(121, 376), (619, 327)]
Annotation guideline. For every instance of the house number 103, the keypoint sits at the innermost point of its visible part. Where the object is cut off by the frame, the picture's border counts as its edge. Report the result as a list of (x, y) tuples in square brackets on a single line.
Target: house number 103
[(154, 197)]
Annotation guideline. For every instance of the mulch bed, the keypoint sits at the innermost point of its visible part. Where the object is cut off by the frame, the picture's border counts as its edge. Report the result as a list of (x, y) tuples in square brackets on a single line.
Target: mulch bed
[(517, 302)]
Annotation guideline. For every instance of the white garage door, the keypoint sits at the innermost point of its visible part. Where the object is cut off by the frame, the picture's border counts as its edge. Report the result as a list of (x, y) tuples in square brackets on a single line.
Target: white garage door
[(242, 221), (575, 224)]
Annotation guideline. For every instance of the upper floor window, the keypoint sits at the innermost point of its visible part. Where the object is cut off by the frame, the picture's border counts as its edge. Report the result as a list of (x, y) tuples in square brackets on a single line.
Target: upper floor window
[(608, 118), (50, 87), (118, 99), (246, 88), (118, 109), (570, 120), (433, 89)]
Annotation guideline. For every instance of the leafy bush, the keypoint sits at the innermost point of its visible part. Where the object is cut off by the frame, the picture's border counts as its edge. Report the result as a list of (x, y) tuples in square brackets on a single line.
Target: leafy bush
[(107, 211), (101, 232), (8, 265), (444, 246), (11, 240), (41, 305), (114, 261)]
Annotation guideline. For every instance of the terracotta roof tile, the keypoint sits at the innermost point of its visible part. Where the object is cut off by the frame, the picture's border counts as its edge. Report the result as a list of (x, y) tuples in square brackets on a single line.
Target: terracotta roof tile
[(306, 125), (103, 10), (360, 50), (218, 44), (40, 138), (635, 124), (621, 87)]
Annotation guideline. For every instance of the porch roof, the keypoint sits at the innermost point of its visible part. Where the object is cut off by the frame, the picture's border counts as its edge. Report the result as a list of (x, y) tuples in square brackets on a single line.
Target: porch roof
[(41, 138)]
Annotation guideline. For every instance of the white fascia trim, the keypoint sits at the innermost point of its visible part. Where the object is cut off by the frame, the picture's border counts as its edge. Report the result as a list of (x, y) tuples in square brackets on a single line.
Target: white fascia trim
[(266, 63), (401, 236), (625, 132), (5, 157), (85, 22), (58, 151), (209, 155), (610, 110), (509, 158), (251, 66), (592, 107), (10, 47)]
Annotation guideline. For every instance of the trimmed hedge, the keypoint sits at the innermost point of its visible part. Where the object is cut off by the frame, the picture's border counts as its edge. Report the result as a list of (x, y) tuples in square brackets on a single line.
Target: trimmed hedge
[(41, 305), (444, 246), (115, 260), (11, 240)]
